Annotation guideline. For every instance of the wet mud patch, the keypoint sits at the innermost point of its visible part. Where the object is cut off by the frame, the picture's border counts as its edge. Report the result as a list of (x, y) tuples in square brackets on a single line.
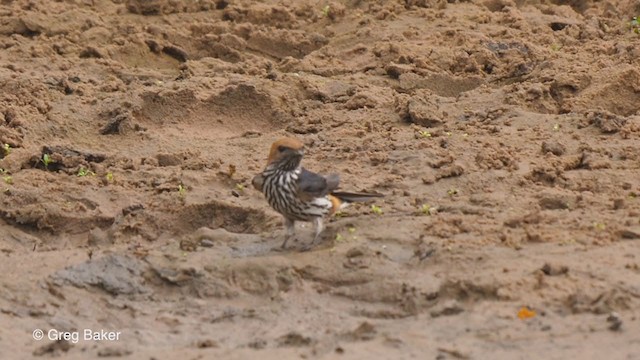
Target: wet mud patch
[(235, 219), (115, 274)]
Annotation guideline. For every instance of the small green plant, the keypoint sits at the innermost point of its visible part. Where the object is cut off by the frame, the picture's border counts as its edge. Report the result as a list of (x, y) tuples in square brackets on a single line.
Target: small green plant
[(351, 229), (109, 177), (452, 192), (182, 190), (325, 10), (425, 209), (339, 214), (339, 237), (8, 179), (239, 187), (635, 25), (84, 172), (556, 47), (376, 209), (599, 226), (46, 160), (556, 127), (7, 149), (424, 133)]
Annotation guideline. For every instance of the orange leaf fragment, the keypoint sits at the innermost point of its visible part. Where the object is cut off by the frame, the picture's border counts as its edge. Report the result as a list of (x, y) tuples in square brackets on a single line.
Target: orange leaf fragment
[(526, 313)]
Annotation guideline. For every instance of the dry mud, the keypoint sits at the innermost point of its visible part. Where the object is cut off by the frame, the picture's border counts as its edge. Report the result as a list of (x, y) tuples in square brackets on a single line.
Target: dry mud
[(505, 135)]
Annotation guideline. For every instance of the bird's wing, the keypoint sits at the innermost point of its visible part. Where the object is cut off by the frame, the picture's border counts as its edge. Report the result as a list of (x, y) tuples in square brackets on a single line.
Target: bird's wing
[(312, 185)]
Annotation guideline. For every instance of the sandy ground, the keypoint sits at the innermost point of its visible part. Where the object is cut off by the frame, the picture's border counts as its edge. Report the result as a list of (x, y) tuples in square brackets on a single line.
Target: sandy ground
[(505, 135)]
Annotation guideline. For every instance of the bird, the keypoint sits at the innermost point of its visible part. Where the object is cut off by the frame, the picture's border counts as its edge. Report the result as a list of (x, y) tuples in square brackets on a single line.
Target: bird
[(299, 194)]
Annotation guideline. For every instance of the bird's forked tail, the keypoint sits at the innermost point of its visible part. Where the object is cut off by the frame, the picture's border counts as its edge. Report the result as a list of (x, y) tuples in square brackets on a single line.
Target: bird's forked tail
[(340, 199)]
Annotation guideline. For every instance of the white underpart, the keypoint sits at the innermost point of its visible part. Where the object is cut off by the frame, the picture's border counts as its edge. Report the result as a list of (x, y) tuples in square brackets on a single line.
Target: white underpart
[(322, 206), (343, 204)]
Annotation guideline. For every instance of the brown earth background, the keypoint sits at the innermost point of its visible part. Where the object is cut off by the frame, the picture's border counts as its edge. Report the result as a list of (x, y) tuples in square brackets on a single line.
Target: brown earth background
[(505, 135)]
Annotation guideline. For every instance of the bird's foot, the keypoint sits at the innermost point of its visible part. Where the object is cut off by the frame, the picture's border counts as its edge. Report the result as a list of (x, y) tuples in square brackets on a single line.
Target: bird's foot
[(312, 244), (307, 247), (283, 247)]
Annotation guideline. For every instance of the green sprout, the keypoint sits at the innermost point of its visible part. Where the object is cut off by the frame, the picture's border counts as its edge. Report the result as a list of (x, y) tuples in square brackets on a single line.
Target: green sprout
[(339, 214), (452, 192), (351, 230), (182, 190), (239, 187), (8, 179), (376, 209), (556, 47), (84, 172), (109, 177), (325, 10), (425, 209), (424, 133), (339, 237), (46, 160), (635, 25), (556, 127), (7, 149), (599, 226)]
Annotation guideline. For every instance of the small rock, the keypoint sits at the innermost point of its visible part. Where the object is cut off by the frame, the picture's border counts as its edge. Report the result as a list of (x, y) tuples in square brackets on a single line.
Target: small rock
[(293, 339), (179, 276), (554, 269), (423, 113), (169, 159), (395, 70), (553, 203), (428, 180), (631, 233), (366, 331), (607, 122), (553, 147), (355, 252), (447, 309), (206, 243), (454, 170), (615, 321), (188, 244), (204, 344), (408, 80), (618, 204)]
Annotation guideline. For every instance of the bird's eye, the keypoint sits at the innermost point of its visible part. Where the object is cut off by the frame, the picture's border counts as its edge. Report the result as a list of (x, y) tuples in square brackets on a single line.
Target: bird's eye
[(282, 148)]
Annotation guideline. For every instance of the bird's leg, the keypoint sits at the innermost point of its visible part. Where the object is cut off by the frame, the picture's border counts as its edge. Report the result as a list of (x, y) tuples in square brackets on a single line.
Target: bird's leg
[(318, 227), (290, 226)]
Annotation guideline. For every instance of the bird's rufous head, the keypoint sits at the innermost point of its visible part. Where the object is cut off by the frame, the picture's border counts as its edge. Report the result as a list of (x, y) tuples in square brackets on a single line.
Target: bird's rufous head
[(286, 153)]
